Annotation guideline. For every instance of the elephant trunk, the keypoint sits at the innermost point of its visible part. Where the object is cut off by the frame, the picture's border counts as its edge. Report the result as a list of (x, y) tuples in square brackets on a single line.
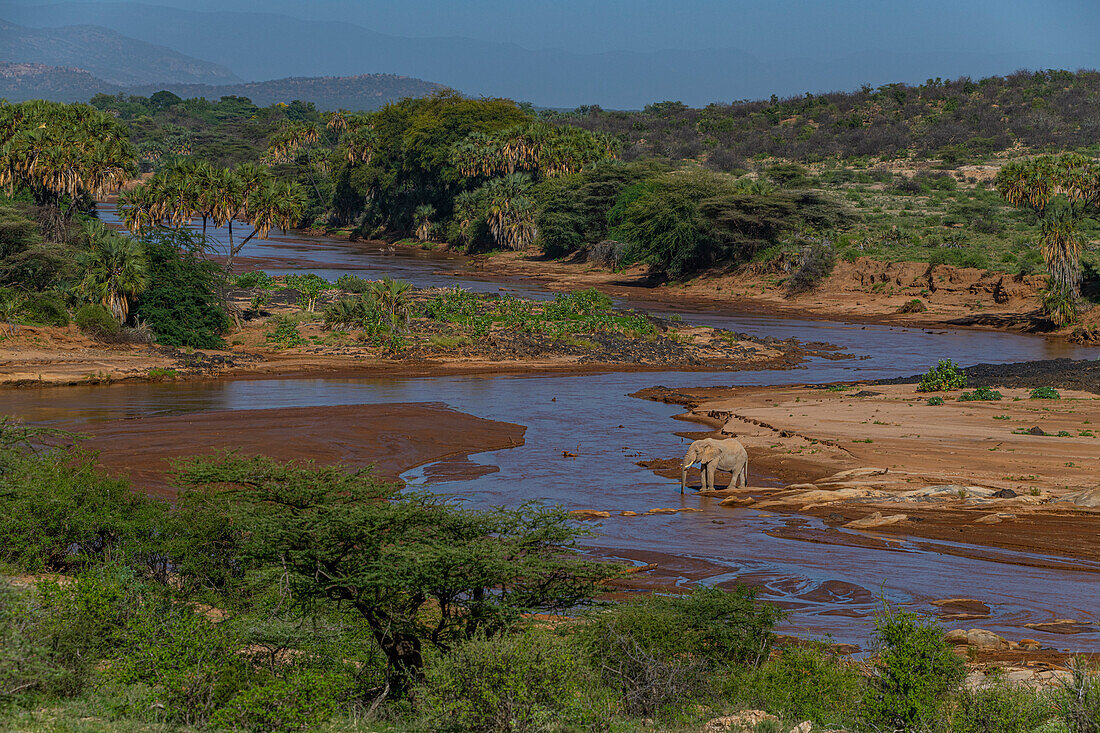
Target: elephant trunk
[(683, 478)]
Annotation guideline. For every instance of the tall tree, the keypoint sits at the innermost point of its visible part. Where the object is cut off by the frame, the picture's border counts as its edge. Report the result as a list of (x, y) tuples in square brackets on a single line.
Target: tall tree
[(62, 153), (1063, 191), (115, 269)]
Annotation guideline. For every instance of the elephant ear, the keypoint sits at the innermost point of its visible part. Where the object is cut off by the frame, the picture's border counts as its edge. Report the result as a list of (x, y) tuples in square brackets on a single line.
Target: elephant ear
[(708, 453)]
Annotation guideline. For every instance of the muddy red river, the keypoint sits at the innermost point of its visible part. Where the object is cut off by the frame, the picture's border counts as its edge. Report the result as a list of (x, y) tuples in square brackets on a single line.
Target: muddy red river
[(583, 436)]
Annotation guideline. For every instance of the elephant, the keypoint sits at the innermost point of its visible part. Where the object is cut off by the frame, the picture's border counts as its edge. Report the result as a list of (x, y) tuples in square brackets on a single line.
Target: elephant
[(716, 455)]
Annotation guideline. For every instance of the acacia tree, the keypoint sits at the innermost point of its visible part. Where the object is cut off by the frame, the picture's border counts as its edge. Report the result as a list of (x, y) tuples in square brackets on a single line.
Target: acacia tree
[(418, 568), (1062, 191)]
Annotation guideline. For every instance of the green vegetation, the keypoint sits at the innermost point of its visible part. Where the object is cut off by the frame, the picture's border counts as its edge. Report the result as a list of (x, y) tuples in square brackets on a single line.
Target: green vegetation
[(943, 377), (935, 401), (1045, 393), (1063, 192), (981, 394), (286, 597), (96, 320)]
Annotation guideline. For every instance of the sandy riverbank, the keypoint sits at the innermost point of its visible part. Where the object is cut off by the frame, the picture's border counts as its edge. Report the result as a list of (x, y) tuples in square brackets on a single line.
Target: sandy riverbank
[(1013, 474), (864, 291)]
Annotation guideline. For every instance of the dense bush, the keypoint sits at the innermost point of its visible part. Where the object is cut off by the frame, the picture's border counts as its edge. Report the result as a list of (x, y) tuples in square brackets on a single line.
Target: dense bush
[(1003, 707), (914, 672), (254, 279), (46, 309), (183, 303), (981, 394), (528, 681), (96, 320), (352, 284), (815, 264), (1045, 393), (943, 377), (806, 683), (61, 513), (663, 650)]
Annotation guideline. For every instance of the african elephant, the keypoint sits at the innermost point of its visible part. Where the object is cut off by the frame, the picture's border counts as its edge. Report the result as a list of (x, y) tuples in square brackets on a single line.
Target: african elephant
[(716, 455)]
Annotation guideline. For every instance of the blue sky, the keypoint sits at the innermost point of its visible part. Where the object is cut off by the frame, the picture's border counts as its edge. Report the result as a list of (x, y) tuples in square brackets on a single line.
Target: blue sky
[(766, 28)]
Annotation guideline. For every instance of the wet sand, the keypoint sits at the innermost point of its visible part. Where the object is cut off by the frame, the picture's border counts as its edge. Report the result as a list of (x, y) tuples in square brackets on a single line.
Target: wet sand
[(391, 437)]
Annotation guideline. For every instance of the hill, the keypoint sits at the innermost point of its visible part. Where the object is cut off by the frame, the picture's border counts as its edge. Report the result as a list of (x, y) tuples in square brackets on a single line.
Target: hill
[(361, 92), (20, 82), (106, 54), (954, 121), (266, 45)]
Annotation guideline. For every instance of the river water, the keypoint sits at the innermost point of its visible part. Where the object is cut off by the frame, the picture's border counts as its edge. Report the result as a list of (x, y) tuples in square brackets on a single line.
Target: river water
[(829, 589)]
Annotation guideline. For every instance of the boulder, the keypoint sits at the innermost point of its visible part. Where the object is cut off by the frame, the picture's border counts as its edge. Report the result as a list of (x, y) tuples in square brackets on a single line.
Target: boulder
[(962, 608), (1064, 626), (876, 520), (1005, 494), (980, 638), (628, 513), (948, 489), (852, 473), (662, 510), (737, 501), (588, 514)]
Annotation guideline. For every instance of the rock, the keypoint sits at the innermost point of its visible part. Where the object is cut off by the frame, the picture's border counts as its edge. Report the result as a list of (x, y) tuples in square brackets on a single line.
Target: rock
[(588, 514), (742, 722), (801, 487), (804, 727), (737, 501), (866, 393), (852, 473), (1089, 497), (947, 489), (1036, 431), (995, 518), (1005, 494), (1030, 644), (628, 513), (1063, 626), (662, 510), (980, 638), (876, 520), (962, 608)]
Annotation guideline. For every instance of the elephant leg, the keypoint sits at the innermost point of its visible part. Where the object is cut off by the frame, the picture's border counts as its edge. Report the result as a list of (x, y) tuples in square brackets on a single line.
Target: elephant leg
[(708, 476)]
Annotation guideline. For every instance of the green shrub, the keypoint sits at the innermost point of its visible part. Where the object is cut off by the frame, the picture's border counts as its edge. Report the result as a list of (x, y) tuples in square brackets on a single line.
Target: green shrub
[(309, 287), (916, 305), (946, 375), (254, 279), (981, 394), (95, 320), (182, 304), (662, 650), (61, 513), (302, 700), (806, 683), (935, 401), (1045, 393), (1003, 708), (352, 284), (190, 666), (285, 334), (45, 309), (914, 671), (528, 681)]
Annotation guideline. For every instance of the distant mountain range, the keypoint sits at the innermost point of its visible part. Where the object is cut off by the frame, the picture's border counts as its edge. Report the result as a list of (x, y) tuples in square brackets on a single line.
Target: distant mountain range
[(19, 82), (265, 45), (106, 54)]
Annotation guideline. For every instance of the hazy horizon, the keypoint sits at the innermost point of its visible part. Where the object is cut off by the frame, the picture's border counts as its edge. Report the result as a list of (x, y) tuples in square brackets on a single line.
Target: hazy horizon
[(616, 53)]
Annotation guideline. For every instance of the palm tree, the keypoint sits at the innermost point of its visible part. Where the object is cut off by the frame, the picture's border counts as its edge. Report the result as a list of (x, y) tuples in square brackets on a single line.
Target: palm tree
[(510, 213), (115, 269), (422, 218), (392, 298)]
